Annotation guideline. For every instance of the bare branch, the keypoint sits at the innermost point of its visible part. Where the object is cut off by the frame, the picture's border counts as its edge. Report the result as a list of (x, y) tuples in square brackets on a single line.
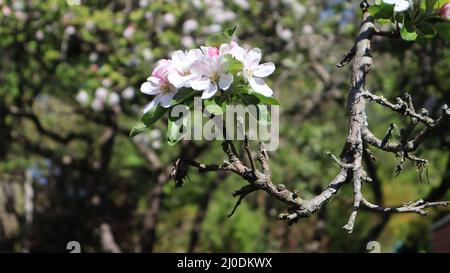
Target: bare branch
[(263, 158), (244, 191), (415, 142), (401, 107), (351, 156), (414, 207), (340, 163), (249, 153)]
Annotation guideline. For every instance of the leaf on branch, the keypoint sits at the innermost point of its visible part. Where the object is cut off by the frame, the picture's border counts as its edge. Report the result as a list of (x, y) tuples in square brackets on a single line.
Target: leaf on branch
[(148, 119), (408, 35), (230, 31), (382, 11), (234, 66), (215, 40), (443, 29), (176, 129)]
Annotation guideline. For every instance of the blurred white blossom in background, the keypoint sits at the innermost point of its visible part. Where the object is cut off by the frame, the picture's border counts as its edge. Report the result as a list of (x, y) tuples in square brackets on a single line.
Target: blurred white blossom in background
[(147, 53), (243, 4), (190, 25), (128, 93), (82, 97), (113, 99)]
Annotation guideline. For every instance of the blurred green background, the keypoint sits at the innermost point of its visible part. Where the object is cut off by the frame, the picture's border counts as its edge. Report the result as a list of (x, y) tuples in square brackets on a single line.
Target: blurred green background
[(69, 94)]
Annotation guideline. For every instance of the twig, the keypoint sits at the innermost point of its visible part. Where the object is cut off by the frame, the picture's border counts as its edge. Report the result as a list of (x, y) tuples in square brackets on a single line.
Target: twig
[(249, 153), (348, 56), (401, 107), (414, 207), (244, 191)]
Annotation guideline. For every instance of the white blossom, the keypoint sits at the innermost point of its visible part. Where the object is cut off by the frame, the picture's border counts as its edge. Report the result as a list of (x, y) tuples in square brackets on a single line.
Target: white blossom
[(113, 99), (243, 4), (253, 72), (399, 5), (212, 76), (169, 19), (187, 41), (97, 104), (182, 62), (158, 84), (82, 97), (101, 93), (128, 93), (190, 25)]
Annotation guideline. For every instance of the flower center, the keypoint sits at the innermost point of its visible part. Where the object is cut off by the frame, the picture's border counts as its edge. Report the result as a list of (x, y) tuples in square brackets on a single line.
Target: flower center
[(214, 77), (165, 88), (186, 72), (248, 73)]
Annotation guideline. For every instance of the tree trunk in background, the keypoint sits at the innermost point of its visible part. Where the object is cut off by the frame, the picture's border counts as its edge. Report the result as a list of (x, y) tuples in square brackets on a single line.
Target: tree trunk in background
[(156, 197), (5, 136), (202, 210)]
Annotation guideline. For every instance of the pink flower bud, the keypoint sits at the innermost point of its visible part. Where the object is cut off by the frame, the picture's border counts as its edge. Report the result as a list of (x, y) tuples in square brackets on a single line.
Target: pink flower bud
[(444, 12), (233, 44), (213, 51)]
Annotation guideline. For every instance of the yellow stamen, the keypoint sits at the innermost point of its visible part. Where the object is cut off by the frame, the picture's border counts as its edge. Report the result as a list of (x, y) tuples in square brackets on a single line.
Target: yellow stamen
[(215, 77), (165, 88), (186, 72)]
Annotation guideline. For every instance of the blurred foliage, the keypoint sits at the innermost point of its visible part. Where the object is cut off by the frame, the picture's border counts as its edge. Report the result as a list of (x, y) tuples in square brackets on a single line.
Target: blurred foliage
[(68, 98)]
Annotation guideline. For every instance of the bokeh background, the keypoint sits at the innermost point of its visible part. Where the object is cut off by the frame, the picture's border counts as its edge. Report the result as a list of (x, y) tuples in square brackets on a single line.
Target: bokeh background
[(69, 94)]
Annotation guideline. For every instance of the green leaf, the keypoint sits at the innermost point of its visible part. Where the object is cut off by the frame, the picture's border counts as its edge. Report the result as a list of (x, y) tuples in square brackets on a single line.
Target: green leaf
[(263, 99), (382, 11), (422, 41), (175, 127), (217, 39), (408, 35), (249, 99), (184, 95), (264, 116), (439, 3), (426, 30), (138, 128), (234, 66), (230, 31), (148, 119), (430, 4), (443, 29), (212, 106)]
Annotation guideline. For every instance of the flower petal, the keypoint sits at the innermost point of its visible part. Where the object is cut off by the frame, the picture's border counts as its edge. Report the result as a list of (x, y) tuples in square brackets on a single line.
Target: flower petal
[(150, 89), (253, 57), (260, 86), (238, 53), (224, 49), (390, 1), (264, 70), (210, 91), (176, 79), (195, 55), (165, 99), (225, 81), (401, 6), (200, 84), (155, 81), (200, 67), (179, 60)]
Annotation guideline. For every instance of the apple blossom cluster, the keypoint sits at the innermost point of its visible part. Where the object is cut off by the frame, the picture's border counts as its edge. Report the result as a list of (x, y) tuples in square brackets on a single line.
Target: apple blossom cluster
[(207, 70)]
